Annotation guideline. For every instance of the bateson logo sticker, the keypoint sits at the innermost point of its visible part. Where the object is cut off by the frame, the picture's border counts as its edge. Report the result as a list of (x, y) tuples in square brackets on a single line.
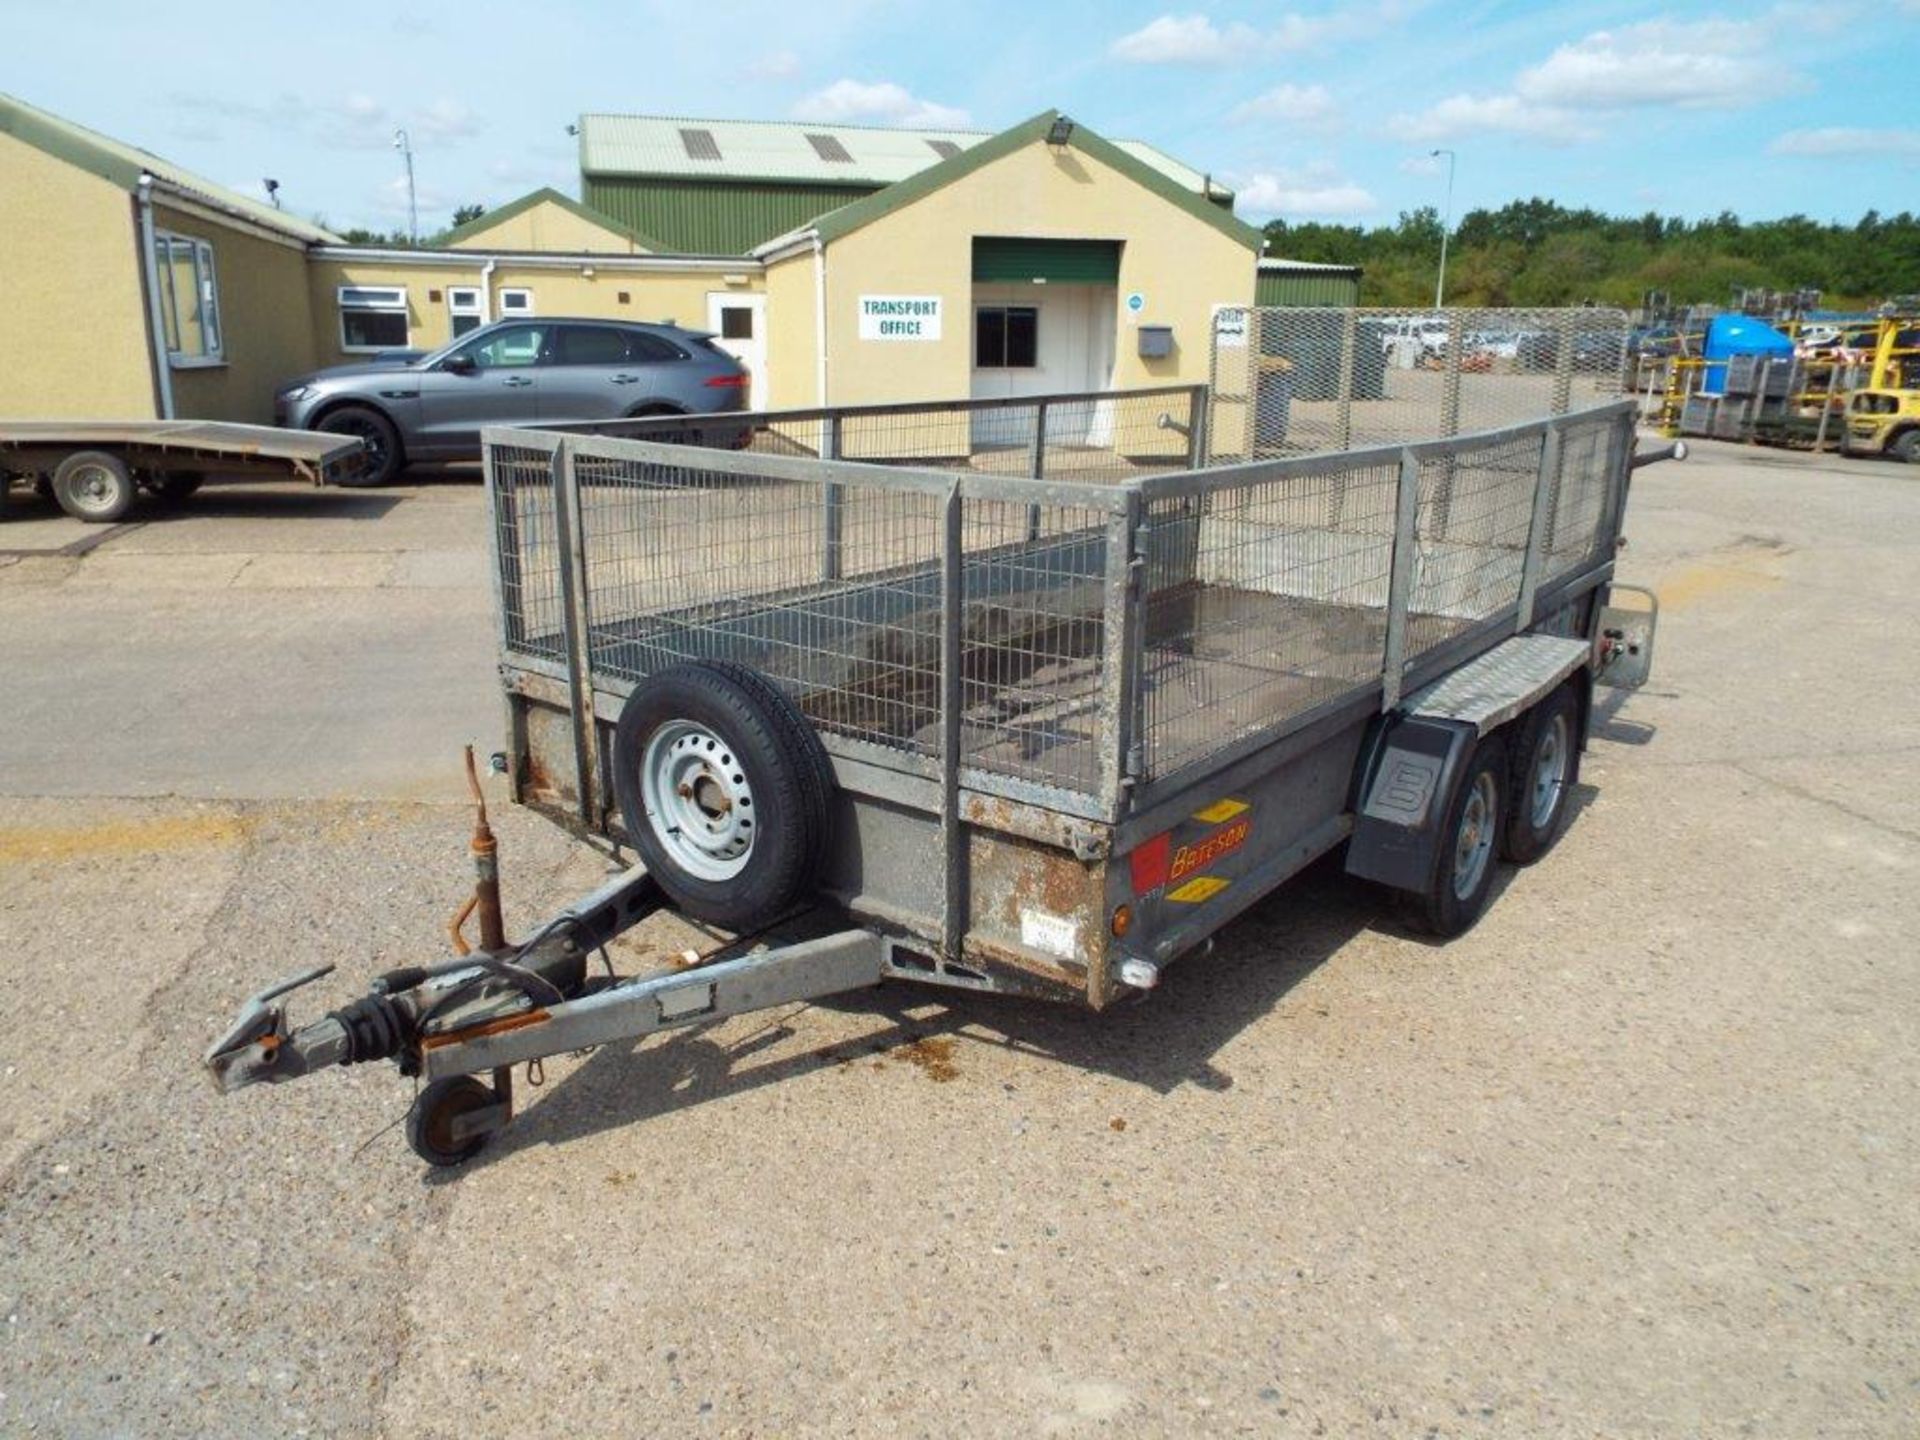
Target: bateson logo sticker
[(1159, 864)]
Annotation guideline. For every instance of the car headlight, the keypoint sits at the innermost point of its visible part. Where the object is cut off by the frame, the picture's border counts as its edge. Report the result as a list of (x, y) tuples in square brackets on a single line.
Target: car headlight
[(298, 392)]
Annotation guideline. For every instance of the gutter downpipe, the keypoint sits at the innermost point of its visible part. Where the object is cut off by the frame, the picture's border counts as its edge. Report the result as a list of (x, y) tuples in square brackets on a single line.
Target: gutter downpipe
[(820, 320), (486, 290), (156, 324)]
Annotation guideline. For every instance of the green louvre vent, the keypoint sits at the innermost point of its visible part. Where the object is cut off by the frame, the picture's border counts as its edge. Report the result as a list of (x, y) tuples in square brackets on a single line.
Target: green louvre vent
[(1060, 262)]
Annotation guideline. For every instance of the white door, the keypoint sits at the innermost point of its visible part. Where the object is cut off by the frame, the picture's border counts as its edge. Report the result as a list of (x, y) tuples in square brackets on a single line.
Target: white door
[(739, 326), (1042, 340)]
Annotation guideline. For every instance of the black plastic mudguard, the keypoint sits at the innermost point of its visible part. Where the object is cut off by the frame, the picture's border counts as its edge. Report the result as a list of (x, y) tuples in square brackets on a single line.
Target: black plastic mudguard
[(1406, 786)]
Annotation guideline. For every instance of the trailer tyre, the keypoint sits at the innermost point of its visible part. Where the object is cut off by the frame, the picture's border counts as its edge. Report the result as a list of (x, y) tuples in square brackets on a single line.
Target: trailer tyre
[(436, 1108), (373, 430), (725, 791), (1463, 876), (95, 486), (1545, 768)]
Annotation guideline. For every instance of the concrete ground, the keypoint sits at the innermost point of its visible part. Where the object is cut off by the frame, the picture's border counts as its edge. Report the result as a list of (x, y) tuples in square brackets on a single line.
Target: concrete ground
[(1637, 1156)]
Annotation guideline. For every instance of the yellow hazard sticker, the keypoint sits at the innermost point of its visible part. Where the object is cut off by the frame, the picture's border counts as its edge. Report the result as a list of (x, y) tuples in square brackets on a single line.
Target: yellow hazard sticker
[(1201, 887), (1219, 810)]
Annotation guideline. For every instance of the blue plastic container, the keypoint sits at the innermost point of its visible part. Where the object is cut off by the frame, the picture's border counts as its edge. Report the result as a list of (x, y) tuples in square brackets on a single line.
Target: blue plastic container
[(1730, 335)]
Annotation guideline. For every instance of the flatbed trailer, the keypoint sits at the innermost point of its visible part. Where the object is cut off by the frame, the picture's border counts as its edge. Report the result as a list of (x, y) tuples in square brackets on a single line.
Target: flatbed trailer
[(911, 717), (96, 469)]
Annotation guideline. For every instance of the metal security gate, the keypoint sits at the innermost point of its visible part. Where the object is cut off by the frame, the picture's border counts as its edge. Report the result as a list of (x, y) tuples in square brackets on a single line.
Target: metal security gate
[(1299, 380)]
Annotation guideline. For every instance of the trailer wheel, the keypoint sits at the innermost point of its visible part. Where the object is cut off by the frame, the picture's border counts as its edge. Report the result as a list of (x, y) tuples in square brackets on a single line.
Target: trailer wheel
[(430, 1121), (95, 486), (1463, 877), (373, 430), (725, 791), (178, 484), (1546, 765)]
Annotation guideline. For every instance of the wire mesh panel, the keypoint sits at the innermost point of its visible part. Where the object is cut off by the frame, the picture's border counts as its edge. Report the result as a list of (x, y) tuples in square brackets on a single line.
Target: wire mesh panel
[(1471, 526), (526, 543), (1033, 640), (1261, 601), (695, 560), (1300, 380), (1584, 490)]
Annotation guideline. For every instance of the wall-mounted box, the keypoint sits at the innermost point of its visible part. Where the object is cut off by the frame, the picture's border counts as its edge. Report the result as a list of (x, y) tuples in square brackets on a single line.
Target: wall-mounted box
[(1156, 342)]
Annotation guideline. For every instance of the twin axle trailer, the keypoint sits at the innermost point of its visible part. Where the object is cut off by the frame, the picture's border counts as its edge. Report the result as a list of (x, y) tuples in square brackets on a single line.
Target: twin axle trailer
[(1019, 697)]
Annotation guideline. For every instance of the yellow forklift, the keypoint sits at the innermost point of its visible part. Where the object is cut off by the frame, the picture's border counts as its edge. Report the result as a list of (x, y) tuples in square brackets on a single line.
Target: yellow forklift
[(1883, 416)]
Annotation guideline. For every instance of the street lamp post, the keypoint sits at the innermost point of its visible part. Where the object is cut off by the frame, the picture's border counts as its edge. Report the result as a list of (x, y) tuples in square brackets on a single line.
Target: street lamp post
[(405, 147), (1446, 224)]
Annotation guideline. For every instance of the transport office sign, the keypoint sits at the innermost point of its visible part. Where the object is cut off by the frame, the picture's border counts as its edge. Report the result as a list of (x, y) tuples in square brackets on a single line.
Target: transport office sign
[(899, 317)]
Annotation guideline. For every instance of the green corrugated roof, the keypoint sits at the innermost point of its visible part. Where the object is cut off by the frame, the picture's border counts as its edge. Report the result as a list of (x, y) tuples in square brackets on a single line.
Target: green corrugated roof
[(863, 212), (122, 165), (547, 195)]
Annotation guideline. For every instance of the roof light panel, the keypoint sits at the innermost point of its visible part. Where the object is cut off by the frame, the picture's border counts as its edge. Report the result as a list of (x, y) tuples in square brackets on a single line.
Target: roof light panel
[(828, 147)]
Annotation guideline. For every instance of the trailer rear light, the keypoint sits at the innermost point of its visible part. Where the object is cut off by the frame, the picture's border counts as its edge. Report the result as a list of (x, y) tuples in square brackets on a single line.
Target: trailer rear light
[(1122, 921), (729, 382)]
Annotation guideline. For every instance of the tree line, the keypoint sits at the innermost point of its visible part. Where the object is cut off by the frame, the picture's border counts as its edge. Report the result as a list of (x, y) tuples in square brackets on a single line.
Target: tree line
[(1536, 252)]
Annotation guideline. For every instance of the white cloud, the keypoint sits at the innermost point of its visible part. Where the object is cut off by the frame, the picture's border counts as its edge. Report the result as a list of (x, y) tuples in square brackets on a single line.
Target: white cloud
[(391, 200), (1659, 62), (444, 120), (1196, 40), (780, 65), (1461, 115), (356, 121), (881, 102), (1184, 40), (1310, 106), (1846, 140), (1567, 98), (1318, 190)]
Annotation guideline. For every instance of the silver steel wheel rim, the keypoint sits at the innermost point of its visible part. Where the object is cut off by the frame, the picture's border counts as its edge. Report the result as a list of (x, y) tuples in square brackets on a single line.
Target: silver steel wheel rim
[(1549, 772), (1473, 842), (698, 800), (92, 487)]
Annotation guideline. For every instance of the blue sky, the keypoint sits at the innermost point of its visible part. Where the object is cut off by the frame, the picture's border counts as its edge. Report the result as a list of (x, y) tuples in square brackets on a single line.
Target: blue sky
[(1312, 111)]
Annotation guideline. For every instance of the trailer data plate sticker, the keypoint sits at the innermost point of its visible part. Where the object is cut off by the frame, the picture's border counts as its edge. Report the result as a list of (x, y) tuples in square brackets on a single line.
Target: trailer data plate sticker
[(1053, 934)]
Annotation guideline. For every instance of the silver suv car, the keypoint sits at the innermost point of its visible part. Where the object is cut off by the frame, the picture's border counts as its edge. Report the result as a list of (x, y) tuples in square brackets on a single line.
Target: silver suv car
[(515, 372)]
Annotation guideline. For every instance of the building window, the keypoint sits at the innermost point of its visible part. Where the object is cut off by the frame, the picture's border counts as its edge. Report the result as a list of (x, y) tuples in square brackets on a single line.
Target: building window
[(1006, 337), (189, 300), (373, 317), (736, 322), (464, 309), (516, 302)]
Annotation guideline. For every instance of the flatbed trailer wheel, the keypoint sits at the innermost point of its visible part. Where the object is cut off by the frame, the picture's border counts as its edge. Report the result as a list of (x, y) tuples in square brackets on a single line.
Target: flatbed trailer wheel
[(725, 791), (1546, 766), (94, 485), (1462, 881), (433, 1128)]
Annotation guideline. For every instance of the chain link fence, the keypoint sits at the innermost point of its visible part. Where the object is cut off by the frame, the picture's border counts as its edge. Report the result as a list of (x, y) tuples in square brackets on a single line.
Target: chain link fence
[(1302, 380)]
